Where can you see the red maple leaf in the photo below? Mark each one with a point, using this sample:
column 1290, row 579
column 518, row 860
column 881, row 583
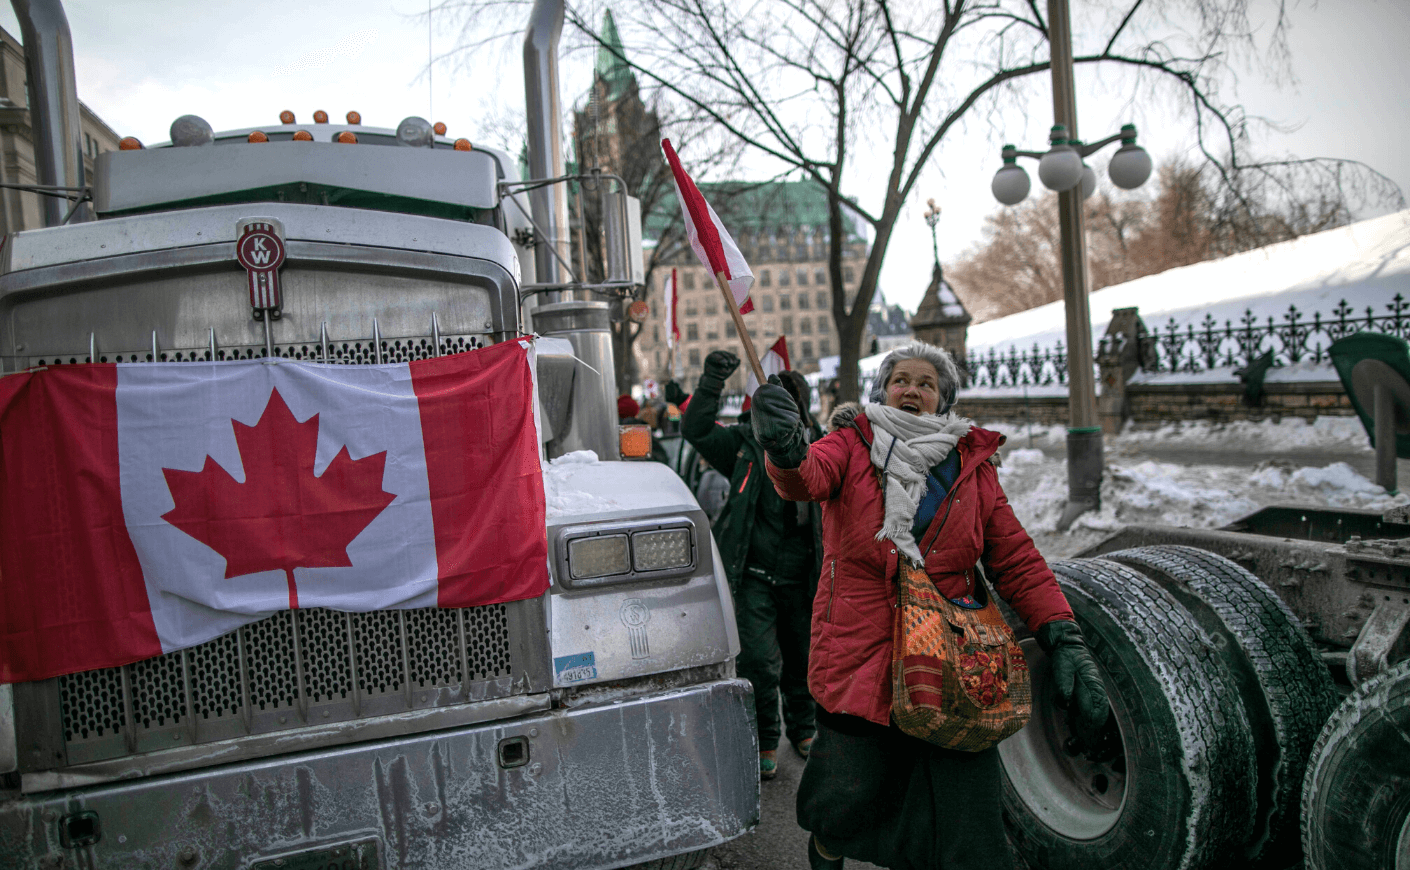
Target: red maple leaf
column 282, row 516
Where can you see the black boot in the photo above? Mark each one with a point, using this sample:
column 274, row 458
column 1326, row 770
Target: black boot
column 815, row 859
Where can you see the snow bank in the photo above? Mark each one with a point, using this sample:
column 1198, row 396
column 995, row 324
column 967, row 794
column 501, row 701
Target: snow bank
column 1289, row 434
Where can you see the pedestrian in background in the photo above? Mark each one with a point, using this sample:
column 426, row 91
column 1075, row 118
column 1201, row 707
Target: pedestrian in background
column 771, row 557
column 903, row 478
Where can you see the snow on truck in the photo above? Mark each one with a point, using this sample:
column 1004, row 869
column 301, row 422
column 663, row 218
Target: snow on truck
column 595, row 725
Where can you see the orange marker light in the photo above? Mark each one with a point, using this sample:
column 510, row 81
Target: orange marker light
column 130, row 143
column 303, row 136
column 439, row 127
column 320, row 117
column 257, row 136
column 286, row 117
column 635, row 441
column 638, row 311
column 347, row 137
column 354, row 118
column 463, row 145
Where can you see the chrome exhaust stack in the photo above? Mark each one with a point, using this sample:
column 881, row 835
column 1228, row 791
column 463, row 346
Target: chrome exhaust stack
column 549, row 204
column 53, row 103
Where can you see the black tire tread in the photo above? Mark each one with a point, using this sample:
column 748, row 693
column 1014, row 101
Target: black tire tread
column 686, row 861
column 1381, row 702
column 1215, row 744
column 1296, row 689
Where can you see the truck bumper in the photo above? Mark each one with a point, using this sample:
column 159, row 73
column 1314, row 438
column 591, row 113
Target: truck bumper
column 600, row 787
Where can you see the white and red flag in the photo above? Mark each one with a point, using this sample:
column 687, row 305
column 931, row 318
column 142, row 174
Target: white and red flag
column 774, row 360
column 148, row 508
column 673, row 330
column 708, row 237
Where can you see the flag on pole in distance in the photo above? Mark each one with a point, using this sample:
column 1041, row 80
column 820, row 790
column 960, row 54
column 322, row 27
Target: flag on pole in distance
column 708, row 237
column 673, row 330
column 146, row 508
column 774, row 360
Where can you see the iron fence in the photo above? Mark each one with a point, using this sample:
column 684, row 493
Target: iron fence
column 1292, row 337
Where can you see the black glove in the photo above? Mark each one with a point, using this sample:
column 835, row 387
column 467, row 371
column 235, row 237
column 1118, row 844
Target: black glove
column 1075, row 677
column 720, row 364
column 674, row 394
column 777, row 426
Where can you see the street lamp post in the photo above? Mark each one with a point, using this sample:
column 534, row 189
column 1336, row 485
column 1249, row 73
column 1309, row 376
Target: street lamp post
column 932, row 217
column 1062, row 169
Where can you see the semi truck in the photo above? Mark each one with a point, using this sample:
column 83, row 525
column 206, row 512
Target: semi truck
column 598, row 725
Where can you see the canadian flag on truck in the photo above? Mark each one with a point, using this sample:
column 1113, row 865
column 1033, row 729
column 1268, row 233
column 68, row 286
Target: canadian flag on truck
column 147, row 508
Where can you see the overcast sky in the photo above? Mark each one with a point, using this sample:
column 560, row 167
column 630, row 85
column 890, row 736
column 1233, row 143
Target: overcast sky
column 142, row 63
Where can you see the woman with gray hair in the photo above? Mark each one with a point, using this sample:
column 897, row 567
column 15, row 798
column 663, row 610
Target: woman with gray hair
column 904, row 479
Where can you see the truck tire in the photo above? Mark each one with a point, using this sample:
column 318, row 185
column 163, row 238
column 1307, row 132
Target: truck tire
column 1356, row 797
column 1170, row 781
column 1287, row 691
column 687, row 861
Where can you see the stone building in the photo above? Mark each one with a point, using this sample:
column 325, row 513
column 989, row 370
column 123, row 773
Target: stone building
column 941, row 318
column 21, row 210
column 781, row 228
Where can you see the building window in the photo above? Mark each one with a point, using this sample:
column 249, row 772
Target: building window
column 729, row 329
column 689, row 281
column 825, row 347
column 801, row 252
column 695, row 357
column 802, row 301
column 712, row 307
column 848, row 275
column 766, row 278
column 783, row 278
column 823, row 300
column 656, row 334
column 713, row 333
column 806, row 326
column 766, row 303
column 802, row 277
column 787, row 326
column 691, row 308
column 692, row 332
column 820, row 277
column 807, row 350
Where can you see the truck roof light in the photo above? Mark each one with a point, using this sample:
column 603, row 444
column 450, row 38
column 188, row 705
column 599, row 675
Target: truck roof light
column 354, row 118
column 286, row 117
column 257, row 136
column 415, row 131
column 347, row 137
column 130, row 143
column 303, row 136
column 635, row 441
column 320, row 117
column 463, row 145
column 191, row 130
column 440, row 128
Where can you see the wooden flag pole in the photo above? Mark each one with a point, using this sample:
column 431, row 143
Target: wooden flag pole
column 744, row 339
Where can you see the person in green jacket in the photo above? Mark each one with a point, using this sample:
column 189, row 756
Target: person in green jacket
column 772, row 556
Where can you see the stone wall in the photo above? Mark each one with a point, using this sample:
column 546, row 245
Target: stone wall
column 1153, row 404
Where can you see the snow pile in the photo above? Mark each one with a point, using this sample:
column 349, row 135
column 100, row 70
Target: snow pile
column 561, row 496
column 1291, row 433
column 1238, row 471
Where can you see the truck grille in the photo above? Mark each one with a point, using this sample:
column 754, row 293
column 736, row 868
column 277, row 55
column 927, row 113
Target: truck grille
column 288, row 670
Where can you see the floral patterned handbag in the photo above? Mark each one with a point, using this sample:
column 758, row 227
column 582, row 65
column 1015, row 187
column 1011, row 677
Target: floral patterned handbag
column 958, row 677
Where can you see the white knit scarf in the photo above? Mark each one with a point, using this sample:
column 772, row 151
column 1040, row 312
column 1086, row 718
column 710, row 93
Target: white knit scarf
column 905, row 447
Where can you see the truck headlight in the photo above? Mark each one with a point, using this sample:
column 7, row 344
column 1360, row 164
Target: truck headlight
column 608, row 554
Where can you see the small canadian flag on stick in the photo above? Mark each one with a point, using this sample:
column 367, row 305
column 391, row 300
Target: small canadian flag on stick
column 717, row 251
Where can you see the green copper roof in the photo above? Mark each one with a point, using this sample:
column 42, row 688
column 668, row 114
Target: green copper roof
column 752, row 206
column 611, row 64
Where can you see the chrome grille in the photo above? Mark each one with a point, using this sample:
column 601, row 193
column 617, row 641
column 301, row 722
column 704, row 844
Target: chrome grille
column 288, row 670
column 364, row 352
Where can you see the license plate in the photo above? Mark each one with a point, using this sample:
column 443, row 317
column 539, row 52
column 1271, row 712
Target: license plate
column 361, row 855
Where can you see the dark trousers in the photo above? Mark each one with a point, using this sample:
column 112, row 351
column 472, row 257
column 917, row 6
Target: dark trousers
column 775, row 620
column 875, row 794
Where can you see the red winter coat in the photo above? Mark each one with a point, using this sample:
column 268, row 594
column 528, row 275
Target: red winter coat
column 849, row 664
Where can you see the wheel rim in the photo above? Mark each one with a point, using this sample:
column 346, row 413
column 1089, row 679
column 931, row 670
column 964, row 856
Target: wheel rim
column 1077, row 796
